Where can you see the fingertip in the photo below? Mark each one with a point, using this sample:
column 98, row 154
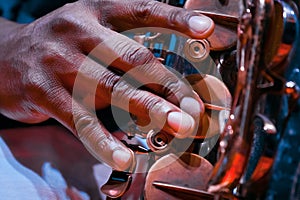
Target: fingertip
column 123, row 159
column 201, row 26
column 182, row 123
column 192, row 106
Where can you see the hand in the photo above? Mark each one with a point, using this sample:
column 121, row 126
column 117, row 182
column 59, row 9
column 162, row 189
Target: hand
column 40, row 62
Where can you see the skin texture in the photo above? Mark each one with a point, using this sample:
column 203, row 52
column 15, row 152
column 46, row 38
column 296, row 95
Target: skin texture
column 39, row 63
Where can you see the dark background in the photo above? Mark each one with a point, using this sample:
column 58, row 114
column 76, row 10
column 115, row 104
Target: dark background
column 285, row 176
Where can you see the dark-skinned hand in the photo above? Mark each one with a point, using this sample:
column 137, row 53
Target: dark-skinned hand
column 40, row 62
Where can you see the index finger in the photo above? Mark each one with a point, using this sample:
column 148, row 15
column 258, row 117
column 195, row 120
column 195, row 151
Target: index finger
column 124, row 15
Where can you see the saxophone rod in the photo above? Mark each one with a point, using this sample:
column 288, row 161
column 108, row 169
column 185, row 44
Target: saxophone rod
column 191, row 191
column 215, row 107
column 221, row 18
column 213, row 15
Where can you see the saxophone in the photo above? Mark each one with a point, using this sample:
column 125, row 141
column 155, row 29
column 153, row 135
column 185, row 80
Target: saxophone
column 251, row 51
column 257, row 110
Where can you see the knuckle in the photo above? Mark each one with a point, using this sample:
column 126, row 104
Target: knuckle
column 177, row 16
column 91, row 134
column 139, row 56
column 63, row 23
column 146, row 9
column 87, row 44
column 55, row 56
column 52, row 54
column 122, row 93
column 157, row 109
column 171, row 84
column 35, row 81
column 152, row 104
column 173, row 90
column 85, row 125
column 67, row 20
column 40, row 86
column 79, row 33
column 108, row 83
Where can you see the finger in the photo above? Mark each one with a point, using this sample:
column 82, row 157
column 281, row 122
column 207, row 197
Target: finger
column 124, row 54
column 124, row 15
column 85, row 125
column 139, row 64
column 114, row 90
column 161, row 114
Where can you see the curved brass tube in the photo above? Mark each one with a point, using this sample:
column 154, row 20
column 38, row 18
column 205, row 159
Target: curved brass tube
column 237, row 137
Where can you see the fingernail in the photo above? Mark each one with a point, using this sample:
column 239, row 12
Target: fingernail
column 122, row 158
column 182, row 123
column 191, row 106
column 200, row 23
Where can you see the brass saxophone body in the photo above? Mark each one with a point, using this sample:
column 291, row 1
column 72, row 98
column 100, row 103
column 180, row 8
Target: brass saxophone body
column 251, row 51
column 258, row 110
